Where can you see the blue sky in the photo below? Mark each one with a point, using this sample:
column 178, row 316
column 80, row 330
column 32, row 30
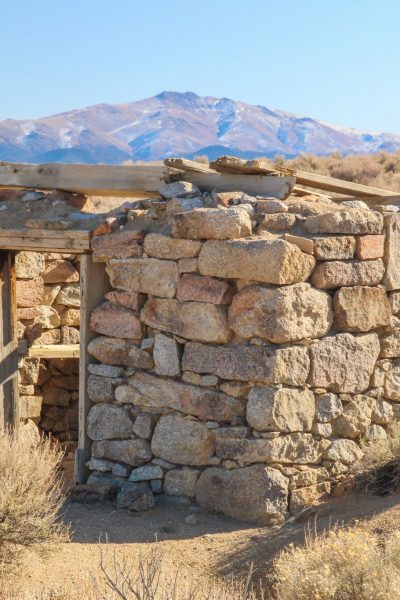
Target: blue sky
column 334, row 60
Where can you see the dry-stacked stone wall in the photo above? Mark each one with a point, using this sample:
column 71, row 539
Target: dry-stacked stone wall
column 247, row 350
column 48, row 311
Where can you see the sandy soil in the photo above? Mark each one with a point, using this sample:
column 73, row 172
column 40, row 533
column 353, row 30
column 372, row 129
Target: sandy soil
column 214, row 546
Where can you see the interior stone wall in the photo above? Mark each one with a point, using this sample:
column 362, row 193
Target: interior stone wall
column 248, row 349
column 48, row 311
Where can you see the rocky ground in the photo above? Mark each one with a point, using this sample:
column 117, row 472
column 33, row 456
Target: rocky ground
column 202, row 542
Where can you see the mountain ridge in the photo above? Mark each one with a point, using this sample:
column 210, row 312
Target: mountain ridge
column 179, row 124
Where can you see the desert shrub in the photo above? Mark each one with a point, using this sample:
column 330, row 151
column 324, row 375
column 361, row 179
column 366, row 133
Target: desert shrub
column 151, row 579
column 379, row 170
column 30, row 497
column 347, row 564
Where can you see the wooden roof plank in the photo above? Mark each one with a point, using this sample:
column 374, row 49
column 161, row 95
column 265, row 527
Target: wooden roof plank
column 101, row 180
column 256, row 177
column 338, row 186
column 314, row 180
column 184, row 164
column 299, row 191
column 231, row 164
column 394, row 198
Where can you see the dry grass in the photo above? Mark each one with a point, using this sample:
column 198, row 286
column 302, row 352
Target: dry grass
column 342, row 564
column 146, row 579
column 379, row 170
column 30, row 498
column 347, row 564
column 378, row 472
column 150, row 580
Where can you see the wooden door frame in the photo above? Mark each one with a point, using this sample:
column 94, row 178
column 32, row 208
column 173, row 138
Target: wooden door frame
column 9, row 397
column 94, row 284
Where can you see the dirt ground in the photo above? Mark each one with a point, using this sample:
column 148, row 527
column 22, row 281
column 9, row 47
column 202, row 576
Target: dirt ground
column 214, row 546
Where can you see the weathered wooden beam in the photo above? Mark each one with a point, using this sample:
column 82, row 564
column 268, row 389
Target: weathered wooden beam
column 55, row 351
column 94, row 285
column 330, row 184
column 231, row 164
column 184, row 164
column 45, row 240
column 100, row 180
column 254, row 185
column 321, row 182
column 371, row 200
column 78, row 234
column 299, row 191
column 9, row 405
column 208, row 179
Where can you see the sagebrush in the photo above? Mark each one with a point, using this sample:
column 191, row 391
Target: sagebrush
column 343, row 564
column 31, row 497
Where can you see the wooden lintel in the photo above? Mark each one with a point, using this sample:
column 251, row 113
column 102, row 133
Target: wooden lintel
column 38, row 240
column 78, row 234
column 55, row 351
column 95, row 180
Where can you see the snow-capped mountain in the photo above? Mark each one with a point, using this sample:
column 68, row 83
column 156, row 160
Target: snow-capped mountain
column 178, row 124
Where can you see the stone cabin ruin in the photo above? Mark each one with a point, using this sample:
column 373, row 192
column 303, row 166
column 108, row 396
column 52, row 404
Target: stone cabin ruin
column 231, row 338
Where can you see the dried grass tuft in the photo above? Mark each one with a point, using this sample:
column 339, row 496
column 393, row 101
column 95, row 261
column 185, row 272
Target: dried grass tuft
column 151, row 579
column 347, row 564
column 378, row 472
column 30, row 498
column 379, row 170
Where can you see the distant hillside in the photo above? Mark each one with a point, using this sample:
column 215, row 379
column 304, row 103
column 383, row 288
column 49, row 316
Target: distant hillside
column 179, row 124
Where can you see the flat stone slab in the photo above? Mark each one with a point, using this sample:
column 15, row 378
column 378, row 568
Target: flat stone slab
column 239, row 362
column 344, row 362
column 275, row 261
column 198, row 321
column 145, row 275
column 281, row 315
column 351, row 221
column 147, row 390
column 212, row 224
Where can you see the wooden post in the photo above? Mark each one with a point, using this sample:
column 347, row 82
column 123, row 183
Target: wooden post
column 9, row 406
column 94, row 285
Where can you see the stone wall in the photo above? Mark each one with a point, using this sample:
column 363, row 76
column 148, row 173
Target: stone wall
column 248, row 348
column 48, row 310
